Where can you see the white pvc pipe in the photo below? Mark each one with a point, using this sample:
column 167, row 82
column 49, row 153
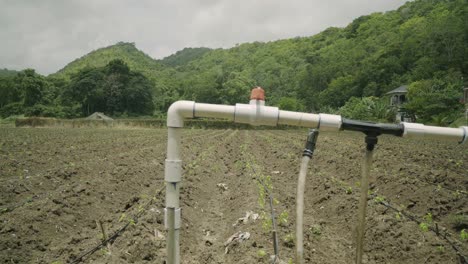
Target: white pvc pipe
column 413, row 130
column 298, row 119
column 173, row 176
column 215, row 111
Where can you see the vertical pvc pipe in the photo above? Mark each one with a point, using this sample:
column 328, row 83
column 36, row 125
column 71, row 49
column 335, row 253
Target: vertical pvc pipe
column 361, row 229
column 172, row 198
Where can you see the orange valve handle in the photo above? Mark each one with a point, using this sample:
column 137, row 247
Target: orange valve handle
column 257, row 94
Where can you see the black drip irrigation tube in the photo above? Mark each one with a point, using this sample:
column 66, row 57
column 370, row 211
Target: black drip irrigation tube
column 274, row 232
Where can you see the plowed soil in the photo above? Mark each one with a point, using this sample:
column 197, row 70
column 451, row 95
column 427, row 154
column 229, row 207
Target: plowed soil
column 57, row 185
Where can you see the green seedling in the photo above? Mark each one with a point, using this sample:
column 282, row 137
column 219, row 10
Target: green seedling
column 349, row 190
column 261, row 253
column 122, row 217
column 463, row 235
column 457, row 194
column 428, row 218
column 283, row 218
column 398, row 216
column 379, row 199
column 424, row 227
column 289, row 240
column 266, row 223
column 316, row 230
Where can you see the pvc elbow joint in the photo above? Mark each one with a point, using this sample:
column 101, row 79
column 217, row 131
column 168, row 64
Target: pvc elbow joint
column 178, row 111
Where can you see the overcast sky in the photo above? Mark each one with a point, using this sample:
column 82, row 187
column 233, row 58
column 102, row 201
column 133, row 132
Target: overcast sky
column 48, row 34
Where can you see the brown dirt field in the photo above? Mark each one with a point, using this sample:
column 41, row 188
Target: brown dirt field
column 57, row 183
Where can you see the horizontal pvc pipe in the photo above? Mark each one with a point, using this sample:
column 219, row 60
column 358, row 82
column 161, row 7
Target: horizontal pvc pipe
column 414, row 130
column 256, row 114
column 298, row 119
column 215, row 111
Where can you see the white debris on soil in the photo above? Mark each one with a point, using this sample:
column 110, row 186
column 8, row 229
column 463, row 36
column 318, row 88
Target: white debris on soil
column 158, row 235
column 222, row 186
column 248, row 215
column 237, row 238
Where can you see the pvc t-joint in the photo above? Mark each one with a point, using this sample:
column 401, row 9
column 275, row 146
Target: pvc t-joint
column 310, row 143
column 372, row 128
column 371, row 140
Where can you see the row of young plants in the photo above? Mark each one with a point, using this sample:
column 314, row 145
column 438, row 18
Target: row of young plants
column 267, row 203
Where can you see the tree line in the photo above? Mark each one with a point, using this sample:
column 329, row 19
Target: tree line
column 113, row 89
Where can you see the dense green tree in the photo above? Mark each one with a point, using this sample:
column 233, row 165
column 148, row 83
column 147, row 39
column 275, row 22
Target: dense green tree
column 9, row 92
column 290, row 104
column 86, row 89
column 113, row 89
column 32, row 86
column 436, row 100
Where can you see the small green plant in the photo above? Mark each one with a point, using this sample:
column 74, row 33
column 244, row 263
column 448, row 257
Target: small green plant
column 463, row 235
column 266, row 223
column 428, row 218
column 261, row 253
column 288, row 240
column 104, row 251
column 349, row 190
column 316, row 230
column 398, row 216
column 424, row 227
column 440, row 248
column 122, row 217
column 379, row 199
column 457, row 194
column 283, row 218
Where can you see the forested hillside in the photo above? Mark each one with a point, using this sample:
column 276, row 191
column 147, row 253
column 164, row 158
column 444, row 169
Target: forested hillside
column 423, row 44
column 127, row 52
column 184, row 56
column 6, row 73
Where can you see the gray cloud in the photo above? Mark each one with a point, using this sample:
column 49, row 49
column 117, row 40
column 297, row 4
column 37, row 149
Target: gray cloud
column 48, row 34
